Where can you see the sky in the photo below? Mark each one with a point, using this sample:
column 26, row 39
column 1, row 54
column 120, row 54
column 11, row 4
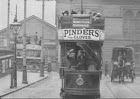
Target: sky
column 34, row 7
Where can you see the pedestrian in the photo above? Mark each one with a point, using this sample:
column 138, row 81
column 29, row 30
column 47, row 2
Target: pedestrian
column 71, row 59
column 106, row 68
column 49, row 66
column 120, row 60
column 36, row 38
column 81, row 59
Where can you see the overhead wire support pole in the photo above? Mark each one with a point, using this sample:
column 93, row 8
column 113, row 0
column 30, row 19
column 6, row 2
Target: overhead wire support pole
column 24, row 76
column 42, row 39
column 8, row 17
column 8, row 13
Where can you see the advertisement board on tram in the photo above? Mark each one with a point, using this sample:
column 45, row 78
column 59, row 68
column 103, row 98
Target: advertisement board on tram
column 81, row 27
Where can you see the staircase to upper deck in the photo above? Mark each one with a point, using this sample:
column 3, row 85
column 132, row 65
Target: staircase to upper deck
column 95, row 57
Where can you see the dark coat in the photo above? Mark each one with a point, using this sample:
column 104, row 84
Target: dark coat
column 120, row 60
column 81, row 63
column 72, row 62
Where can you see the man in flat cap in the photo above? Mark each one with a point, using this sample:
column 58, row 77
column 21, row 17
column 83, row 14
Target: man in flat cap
column 71, row 58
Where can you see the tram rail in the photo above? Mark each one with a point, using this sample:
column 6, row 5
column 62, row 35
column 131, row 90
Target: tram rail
column 123, row 84
column 106, row 83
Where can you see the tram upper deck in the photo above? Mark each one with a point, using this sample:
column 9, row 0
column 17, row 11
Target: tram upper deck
column 81, row 27
column 82, row 31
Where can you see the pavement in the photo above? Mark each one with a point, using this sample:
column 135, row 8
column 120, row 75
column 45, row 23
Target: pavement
column 32, row 78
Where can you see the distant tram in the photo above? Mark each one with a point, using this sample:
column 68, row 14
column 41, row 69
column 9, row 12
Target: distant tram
column 85, row 33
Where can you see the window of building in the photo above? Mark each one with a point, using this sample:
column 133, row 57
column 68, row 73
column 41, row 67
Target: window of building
column 131, row 25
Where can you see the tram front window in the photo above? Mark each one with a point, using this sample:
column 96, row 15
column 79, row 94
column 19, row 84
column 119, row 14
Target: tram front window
column 79, row 57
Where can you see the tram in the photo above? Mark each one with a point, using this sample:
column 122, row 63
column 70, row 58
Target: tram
column 126, row 69
column 80, row 32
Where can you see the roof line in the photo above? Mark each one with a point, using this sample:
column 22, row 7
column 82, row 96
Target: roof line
column 30, row 18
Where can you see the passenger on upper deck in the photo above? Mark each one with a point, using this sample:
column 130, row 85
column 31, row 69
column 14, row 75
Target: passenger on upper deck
column 71, row 58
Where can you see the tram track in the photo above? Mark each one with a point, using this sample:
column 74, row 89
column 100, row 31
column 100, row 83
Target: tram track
column 131, row 89
column 124, row 85
column 106, row 83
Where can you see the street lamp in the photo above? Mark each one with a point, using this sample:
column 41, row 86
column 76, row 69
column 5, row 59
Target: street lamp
column 15, row 28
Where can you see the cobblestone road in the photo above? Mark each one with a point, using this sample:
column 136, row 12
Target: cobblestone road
column 50, row 88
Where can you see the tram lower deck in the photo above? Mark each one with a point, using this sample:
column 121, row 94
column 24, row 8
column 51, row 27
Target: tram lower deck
column 82, row 77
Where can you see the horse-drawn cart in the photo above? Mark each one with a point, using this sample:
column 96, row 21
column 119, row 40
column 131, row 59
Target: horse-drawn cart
column 123, row 63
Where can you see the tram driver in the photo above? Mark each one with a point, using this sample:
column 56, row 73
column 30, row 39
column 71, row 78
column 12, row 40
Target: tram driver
column 71, row 59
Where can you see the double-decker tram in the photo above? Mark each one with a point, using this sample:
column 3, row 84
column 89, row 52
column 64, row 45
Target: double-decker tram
column 81, row 39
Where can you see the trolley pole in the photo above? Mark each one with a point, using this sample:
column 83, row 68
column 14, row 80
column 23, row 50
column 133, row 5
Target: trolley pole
column 82, row 11
column 71, row 6
column 24, row 76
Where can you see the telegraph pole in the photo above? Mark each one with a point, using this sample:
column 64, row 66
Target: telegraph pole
column 24, row 76
column 71, row 6
column 8, row 13
column 42, row 39
column 8, row 17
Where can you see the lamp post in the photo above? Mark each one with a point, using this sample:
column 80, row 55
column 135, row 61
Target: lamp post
column 15, row 27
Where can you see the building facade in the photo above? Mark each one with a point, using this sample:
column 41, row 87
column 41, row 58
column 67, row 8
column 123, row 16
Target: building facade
column 33, row 40
column 122, row 22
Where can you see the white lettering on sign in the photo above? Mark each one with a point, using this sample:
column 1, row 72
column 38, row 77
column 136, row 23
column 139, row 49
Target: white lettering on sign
column 80, row 25
column 79, row 34
column 87, row 22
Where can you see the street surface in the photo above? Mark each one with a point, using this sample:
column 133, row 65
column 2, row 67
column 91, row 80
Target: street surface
column 50, row 88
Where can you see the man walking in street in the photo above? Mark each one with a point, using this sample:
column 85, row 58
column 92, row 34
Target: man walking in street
column 106, row 68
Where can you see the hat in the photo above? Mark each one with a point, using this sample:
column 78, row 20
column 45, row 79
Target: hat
column 72, row 51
